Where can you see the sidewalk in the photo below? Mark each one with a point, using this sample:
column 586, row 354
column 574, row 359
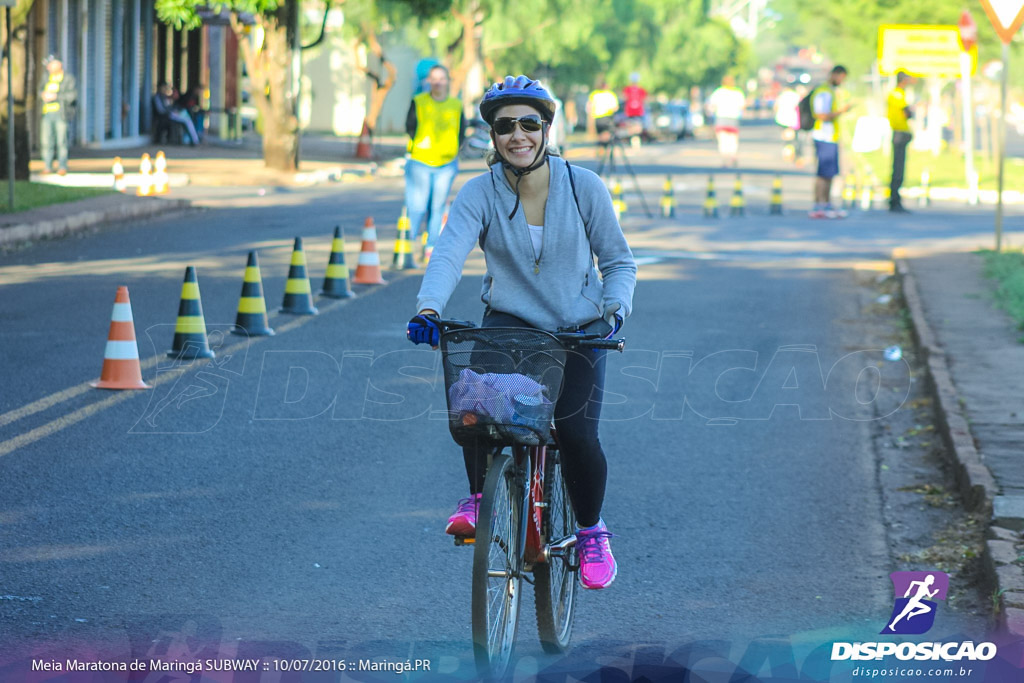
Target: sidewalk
column 323, row 158
column 976, row 366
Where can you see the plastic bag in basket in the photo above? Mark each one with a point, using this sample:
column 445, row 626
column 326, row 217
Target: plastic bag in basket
column 508, row 399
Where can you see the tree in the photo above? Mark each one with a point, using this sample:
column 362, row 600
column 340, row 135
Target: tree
column 270, row 61
column 22, row 91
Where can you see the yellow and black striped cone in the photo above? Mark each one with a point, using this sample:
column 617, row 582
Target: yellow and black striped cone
column 668, row 200
column 926, row 198
column 850, row 191
column 736, row 204
column 617, row 202
column 252, row 307
column 190, row 331
column 710, row 203
column 298, row 296
column 403, row 245
column 867, row 197
column 776, row 206
column 336, row 280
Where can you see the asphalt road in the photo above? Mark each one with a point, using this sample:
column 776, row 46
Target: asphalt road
column 289, row 497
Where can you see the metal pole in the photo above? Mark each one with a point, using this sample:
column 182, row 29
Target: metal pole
column 10, row 116
column 968, row 107
column 1002, row 148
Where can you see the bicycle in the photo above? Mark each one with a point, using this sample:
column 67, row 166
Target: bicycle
column 525, row 522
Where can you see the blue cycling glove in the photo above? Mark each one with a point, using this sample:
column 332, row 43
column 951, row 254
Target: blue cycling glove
column 612, row 317
column 424, row 329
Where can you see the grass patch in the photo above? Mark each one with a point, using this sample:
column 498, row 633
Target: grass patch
column 29, row 196
column 945, row 170
column 1007, row 269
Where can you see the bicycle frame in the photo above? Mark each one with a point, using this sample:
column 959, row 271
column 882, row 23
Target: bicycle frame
column 538, row 549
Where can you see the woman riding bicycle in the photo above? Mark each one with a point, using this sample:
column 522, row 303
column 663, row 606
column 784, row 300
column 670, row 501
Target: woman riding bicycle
column 539, row 222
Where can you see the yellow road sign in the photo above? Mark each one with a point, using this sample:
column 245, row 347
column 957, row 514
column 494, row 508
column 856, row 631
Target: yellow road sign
column 921, row 50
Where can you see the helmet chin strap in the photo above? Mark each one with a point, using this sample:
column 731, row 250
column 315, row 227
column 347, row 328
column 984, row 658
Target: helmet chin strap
column 538, row 161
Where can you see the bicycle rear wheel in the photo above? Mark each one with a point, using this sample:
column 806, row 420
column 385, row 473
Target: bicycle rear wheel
column 555, row 588
column 497, row 567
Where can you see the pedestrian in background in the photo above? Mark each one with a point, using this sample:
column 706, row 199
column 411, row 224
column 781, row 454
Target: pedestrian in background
column 827, row 110
column 727, row 103
column 899, row 120
column 436, row 128
column 59, row 97
column 602, row 105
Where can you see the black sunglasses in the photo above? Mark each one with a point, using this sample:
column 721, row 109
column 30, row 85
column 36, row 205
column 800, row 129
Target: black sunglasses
column 530, row 124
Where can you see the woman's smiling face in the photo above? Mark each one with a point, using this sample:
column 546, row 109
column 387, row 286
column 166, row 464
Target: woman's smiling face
column 519, row 148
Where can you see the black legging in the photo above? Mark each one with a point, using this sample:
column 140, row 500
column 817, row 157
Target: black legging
column 577, row 413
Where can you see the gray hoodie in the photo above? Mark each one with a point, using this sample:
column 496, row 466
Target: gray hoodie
column 566, row 290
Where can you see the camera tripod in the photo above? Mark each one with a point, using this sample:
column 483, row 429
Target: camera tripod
column 608, row 154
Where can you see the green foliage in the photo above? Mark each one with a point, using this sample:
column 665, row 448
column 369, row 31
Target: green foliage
column 185, row 13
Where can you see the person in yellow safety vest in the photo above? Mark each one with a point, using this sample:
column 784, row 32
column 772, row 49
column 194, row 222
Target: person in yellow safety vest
column 58, row 94
column 899, row 120
column 827, row 110
column 436, row 128
column 602, row 105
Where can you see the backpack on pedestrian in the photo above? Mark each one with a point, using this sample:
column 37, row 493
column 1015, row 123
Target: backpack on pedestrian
column 806, row 111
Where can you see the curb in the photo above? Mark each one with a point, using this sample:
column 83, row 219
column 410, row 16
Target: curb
column 134, row 208
column 977, row 485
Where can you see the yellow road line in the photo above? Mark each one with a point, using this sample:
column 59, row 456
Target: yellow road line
column 77, row 416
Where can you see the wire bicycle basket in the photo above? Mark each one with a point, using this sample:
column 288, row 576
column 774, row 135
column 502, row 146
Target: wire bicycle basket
column 502, row 383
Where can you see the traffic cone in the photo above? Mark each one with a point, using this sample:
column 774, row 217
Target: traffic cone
column 145, row 188
column 118, row 171
column 867, row 197
column 850, row 191
column 776, row 206
column 668, row 200
column 736, row 204
column 121, row 369
column 364, row 150
column 298, row 296
column 368, row 268
column 710, row 203
column 617, row 202
column 252, row 307
column 190, row 331
column 161, row 183
column 925, row 199
column 336, row 280
column 403, row 245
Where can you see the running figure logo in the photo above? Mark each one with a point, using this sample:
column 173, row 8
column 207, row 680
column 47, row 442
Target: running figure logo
column 914, row 609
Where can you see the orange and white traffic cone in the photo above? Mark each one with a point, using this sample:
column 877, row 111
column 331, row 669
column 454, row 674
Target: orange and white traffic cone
column 145, row 188
column 368, row 268
column 118, row 171
column 121, row 369
column 364, row 150
column 161, row 183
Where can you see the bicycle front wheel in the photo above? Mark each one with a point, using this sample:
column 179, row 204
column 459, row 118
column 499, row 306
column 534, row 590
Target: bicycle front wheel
column 555, row 586
column 497, row 567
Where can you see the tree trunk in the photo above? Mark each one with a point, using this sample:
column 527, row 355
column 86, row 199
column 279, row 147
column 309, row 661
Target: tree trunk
column 380, row 92
column 274, row 90
column 19, row 67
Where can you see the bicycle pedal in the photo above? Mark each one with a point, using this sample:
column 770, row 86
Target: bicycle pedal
column 465, row 540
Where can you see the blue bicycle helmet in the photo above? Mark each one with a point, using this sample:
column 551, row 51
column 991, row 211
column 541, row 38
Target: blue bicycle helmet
column 517, row 90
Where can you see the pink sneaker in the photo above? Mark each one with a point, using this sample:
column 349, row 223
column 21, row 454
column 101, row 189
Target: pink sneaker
column 463, row 522
column 597, row 565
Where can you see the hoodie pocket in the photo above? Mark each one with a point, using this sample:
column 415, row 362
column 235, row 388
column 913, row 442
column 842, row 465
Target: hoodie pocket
column 592, row 290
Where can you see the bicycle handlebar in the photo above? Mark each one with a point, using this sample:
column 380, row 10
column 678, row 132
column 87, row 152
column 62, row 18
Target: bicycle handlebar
column 569, row 339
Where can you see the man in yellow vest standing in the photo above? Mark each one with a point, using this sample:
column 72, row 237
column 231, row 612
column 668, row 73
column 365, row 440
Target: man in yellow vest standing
column 827, row 110
column 602, row 105
column 899, row 120
column 58, row 94
column 436, row 128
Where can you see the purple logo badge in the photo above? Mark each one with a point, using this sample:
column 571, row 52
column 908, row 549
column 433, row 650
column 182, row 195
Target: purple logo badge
column 916, row 592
